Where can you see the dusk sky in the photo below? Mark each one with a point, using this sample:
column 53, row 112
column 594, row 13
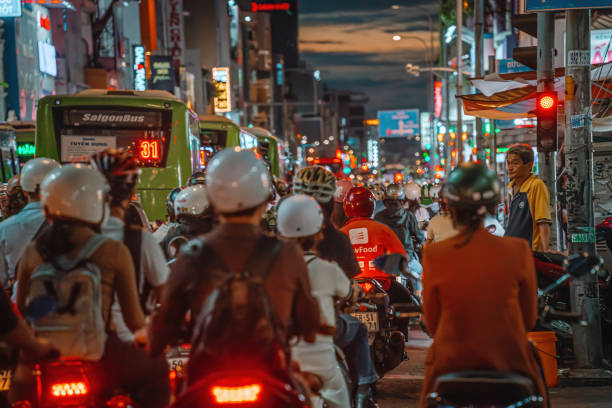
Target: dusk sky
column 350, row 41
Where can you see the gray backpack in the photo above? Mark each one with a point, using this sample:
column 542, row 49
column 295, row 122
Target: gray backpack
column 75, row 323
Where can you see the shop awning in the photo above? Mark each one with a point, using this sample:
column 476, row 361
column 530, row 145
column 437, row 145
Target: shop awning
column 513, row 96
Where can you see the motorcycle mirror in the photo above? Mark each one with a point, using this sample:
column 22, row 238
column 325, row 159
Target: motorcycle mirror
column 391, row 264
column 580, row 265
column 41, row 306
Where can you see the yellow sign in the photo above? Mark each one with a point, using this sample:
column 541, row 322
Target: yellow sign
column 371, row 122
column 223, row 97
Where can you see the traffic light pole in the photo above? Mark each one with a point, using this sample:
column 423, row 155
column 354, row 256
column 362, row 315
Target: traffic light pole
column 478, row 34
column 547, row 162
column 579, row 155
column 459, row 140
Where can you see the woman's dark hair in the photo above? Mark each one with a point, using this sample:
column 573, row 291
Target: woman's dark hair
column 307, row 243
column 54, row 239
column 470, row 217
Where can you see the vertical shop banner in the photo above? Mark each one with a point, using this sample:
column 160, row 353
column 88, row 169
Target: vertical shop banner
column 438, row 99
column 176, row 32
column 140, row 72
column 223, row 99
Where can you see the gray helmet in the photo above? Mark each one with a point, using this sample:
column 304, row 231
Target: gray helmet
column 395, row 192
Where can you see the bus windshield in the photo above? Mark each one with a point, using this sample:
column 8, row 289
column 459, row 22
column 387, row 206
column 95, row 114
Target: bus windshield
column 85, row 131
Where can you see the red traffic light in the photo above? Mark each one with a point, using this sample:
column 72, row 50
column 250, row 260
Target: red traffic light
column 547, row 100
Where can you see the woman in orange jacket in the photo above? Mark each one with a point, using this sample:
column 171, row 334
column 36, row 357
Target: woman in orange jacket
column 479, row 290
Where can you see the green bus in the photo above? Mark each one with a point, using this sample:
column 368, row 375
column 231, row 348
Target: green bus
column 218, row 132
column 156, row 126
column 272, row 149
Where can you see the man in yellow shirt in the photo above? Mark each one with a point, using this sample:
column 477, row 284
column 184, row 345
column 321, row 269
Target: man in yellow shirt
column 528, row 198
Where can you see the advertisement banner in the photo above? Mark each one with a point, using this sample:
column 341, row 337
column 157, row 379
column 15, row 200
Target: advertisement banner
column 78, row 149
column 398, row 123
column 223, row 97
column 176, row 32
column 510, row 66
column 601, row 46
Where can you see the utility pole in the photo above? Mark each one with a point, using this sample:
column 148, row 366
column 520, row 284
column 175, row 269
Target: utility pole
column 459, row 81
column 546, row 82
column 478, row 34
column 579, row 156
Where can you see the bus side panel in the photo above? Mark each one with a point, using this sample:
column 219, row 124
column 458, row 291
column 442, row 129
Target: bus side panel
column 233, row 136
column 44, row 138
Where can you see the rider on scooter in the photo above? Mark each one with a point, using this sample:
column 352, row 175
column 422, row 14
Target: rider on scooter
column 300, row 220
column 478, row 312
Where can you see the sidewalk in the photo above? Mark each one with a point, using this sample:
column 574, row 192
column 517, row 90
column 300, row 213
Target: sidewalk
column 401, row 388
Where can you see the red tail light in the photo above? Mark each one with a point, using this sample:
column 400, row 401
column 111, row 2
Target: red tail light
column 67, row 390
column 120, row 401
column 236, row 395
column 366, row 286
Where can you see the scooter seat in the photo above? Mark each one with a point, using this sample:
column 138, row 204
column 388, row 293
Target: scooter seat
column 484, row 388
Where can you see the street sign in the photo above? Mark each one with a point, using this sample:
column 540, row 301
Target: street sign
column 10, row 8
column 510, row 66
column 544, row 5
column 398, row 123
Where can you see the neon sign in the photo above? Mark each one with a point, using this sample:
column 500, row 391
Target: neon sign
column 284, row 6
column 148, row 150
column 223, row 97
column 438, row 98
column 140, row 74
column 26, row 149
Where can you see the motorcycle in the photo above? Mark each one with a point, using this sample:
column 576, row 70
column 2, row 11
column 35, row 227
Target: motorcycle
column 494, row 389
column 549, row 268
column 386, row 322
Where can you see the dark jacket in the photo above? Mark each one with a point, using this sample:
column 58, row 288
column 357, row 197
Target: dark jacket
column 188, row 228
column 404, row 224
column 336, row 247
column 192, row 280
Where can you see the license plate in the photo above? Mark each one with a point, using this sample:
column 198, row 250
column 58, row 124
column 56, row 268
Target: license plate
column 370, row 319
column 5, row 380
column 178, row 363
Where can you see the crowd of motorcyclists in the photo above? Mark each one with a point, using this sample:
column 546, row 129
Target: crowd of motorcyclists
column 190, row 278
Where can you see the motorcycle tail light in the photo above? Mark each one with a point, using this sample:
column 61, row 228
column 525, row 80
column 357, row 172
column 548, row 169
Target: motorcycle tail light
column 120, row 401
column 69, row 389
column 236, row 395
column 366, row 286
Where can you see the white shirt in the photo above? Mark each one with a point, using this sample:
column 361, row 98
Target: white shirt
column 153, row 267
column 441, row 227
column 327, row 280
column 16, row 233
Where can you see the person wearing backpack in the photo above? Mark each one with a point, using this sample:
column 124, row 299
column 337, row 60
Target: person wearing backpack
column 300, row 220
column 194, row 215
column 238, row 187
column 120, row 167
column 18, row 230
column 76, row 272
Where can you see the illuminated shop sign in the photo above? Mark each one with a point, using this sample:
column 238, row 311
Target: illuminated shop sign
column 438, row 98
column 223, row 98
column 46, row 58
column 259, row 6
column 140, row 73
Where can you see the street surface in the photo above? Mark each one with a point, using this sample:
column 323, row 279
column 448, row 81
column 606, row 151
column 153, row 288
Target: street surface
column 401, row 388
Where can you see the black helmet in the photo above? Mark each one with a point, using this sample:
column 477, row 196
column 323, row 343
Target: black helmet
column 199, row 177
column 120, row 167
column 170, row 202
column 472, row 185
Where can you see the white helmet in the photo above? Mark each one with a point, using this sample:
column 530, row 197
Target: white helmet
column 299, row 216
column 237, row 181
column 413, row 191
column 191, row 201
column 434, row 191
column 35, row 171
column 75, row 192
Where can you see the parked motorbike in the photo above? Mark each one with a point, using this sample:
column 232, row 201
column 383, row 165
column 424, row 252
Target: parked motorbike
column 386, row 322
column 493, row 389
column 549, row 268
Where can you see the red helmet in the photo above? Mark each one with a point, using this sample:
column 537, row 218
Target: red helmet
column 359, row 202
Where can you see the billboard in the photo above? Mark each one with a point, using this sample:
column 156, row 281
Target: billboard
column 542, row 5
column 398, row 123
